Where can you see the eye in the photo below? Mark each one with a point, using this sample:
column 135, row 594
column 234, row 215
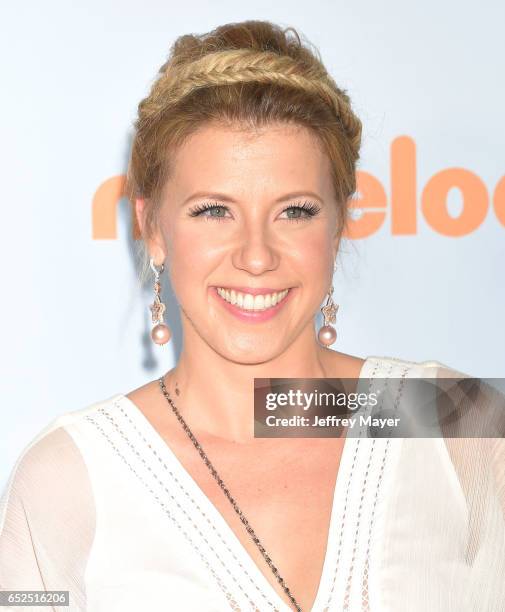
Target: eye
column 301, row 211
column 210, row 210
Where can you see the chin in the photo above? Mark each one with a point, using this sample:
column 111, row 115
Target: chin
column 249, row 350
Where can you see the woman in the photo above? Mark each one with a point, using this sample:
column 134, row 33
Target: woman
column 243, row 161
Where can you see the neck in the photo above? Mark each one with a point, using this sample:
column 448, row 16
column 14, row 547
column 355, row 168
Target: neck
column 216, row 395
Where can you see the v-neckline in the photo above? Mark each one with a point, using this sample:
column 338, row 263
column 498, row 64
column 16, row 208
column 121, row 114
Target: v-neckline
column 227, row 533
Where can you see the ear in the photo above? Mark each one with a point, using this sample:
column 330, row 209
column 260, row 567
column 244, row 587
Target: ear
column 139, row 213
column 337, row 235
column 153, row 243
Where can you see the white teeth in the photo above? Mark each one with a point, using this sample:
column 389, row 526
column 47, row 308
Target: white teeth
column 247, row 301
column 259, row 302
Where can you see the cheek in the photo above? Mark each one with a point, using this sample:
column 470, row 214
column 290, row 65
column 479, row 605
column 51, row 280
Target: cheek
column 313, row 255
column 313, row 264
column 191, row 257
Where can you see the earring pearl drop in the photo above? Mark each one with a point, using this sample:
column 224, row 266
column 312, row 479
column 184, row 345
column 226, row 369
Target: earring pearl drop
column 327, row 335
column 160, row 334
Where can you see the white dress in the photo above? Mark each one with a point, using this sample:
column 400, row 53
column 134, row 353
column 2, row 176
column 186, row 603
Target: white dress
column 99, row 505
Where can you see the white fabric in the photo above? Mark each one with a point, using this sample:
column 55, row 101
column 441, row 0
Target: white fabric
column 98, row 504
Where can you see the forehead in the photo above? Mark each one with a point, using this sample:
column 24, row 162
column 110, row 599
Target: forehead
column 269, row 160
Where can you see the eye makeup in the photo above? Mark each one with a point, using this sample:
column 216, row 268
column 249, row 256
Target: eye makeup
column 307, row 210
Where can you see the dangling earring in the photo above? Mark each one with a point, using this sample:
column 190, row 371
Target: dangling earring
column 160, row 333
column 327, row 334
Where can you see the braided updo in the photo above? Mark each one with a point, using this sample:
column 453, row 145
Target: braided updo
column 251, row 74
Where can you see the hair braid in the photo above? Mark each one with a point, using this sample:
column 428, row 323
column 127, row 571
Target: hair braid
column 233, row 66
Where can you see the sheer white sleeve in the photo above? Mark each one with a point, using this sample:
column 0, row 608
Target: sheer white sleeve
column 440, row 536
column 472, row 418
column 47, row 520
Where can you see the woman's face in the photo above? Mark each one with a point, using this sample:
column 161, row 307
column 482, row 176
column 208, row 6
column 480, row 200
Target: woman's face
column 248, row 231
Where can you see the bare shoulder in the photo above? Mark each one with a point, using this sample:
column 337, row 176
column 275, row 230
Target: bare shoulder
column 343, row 365
column 149, row 400
column 144, row 392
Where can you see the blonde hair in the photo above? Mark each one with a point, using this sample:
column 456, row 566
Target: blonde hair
column 250, row 74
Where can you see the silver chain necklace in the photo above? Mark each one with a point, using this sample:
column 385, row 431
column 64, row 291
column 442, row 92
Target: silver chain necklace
column 214, row 473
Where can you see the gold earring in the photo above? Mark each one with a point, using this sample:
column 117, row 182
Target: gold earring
column 160, row 333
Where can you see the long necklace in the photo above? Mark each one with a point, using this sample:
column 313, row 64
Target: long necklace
column 225, row 490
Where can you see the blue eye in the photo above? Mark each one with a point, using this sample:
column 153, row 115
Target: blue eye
column 296, row 212
column 214, row 210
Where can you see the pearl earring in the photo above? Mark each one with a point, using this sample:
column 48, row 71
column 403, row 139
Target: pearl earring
column 160, row 333
column 327, row 334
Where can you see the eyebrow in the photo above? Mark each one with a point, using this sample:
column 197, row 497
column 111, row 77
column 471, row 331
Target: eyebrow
column 226, row 198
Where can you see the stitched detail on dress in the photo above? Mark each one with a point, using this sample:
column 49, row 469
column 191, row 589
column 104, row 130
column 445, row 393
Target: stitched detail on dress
column 365, row 602
column 347, row 592
column 181, row 486
column 233, row 604
column 357, row 531
column 197, row 506
column 346, row 499
column 364, row 590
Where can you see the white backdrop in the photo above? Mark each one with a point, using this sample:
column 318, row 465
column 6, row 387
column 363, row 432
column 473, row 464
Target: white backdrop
column 74, row 321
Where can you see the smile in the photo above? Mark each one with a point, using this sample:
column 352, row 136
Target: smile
column 248, row 301
column 252, row 304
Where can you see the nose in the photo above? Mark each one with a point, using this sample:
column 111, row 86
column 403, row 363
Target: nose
column 256, row 253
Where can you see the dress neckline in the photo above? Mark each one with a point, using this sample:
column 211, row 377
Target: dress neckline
column 338, row 508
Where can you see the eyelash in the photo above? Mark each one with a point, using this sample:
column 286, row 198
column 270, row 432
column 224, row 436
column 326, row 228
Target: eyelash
column 309, row 208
